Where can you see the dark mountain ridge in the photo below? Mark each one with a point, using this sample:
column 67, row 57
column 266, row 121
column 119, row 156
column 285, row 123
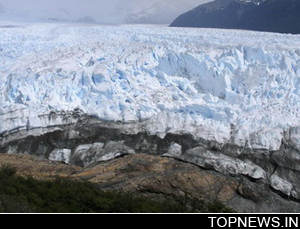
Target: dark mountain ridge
column 260, row 15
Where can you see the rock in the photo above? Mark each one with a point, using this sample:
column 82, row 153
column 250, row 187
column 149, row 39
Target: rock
column 62, row 155
column 282, row 185
column 85, row 155
column 155, row 176
column 161, row 178
column 287, row 158
column 294, row 136
column 113, row 150
column 222, row 163
column 90, row 141
column 174, row 150
column 253, row 191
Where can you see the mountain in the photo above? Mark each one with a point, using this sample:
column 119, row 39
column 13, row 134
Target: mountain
column 261, row 15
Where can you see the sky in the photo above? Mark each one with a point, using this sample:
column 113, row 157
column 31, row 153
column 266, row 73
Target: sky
column 106, row 11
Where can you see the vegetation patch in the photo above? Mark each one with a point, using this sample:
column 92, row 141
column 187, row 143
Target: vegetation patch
column 27, row 195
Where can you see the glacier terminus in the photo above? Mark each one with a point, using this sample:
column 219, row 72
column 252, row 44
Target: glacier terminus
column 222, row 99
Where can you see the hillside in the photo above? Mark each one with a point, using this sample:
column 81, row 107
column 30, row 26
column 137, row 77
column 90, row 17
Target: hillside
column 28, row 184
column 135, row 183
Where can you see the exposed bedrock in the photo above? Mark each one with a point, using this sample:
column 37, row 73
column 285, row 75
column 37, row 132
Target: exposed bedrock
column 268, row 180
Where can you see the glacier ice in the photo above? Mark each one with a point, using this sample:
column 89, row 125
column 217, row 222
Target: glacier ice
column 229, row 86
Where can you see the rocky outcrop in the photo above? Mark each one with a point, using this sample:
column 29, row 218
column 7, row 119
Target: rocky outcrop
column 86, row 155
column 156, row 177
column 264, row 180
column 162, row 178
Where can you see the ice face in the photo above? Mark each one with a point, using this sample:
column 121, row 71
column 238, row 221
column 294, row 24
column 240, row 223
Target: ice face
column 229, row 86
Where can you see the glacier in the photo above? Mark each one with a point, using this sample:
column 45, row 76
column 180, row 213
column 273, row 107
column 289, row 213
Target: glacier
column 229, row 86
column 224, row 100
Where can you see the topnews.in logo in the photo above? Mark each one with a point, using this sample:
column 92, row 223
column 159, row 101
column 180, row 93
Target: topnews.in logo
column 254, row 222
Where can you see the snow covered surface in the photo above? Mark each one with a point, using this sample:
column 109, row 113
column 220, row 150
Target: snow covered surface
column 229, row 86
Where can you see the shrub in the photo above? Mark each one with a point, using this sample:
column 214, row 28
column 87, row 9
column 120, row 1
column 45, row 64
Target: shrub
column 20, row 194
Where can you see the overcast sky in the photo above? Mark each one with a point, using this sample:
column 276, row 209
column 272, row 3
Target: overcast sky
column 111, row 11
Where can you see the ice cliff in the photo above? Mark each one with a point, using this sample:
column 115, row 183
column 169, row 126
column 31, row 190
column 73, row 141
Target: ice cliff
column 227, row 86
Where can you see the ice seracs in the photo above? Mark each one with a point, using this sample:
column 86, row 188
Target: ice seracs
column 234, row 87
